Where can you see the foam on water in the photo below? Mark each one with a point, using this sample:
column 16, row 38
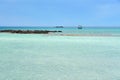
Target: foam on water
column 43, row 57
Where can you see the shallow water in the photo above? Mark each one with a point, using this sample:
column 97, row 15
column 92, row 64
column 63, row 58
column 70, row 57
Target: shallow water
column 45, row 57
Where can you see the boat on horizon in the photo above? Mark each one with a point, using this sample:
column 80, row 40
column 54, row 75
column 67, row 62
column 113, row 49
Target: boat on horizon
column 79, row 27
column 59, row 26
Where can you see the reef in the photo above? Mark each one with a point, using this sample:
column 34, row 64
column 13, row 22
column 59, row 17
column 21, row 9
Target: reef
column 28, row 31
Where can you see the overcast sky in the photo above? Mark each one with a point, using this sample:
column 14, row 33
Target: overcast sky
column 60, row 12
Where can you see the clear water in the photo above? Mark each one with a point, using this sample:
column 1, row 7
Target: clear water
column 46, row 57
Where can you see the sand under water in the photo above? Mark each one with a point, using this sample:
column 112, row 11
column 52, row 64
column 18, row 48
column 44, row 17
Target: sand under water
column 46, row 57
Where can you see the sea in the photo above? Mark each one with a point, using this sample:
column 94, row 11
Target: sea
column 70, row 30
column 93, row 53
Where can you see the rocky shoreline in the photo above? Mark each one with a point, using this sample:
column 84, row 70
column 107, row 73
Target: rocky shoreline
column 28, row 31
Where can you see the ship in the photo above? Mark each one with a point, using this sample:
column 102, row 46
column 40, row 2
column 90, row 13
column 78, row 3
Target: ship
column 79, row 27
column 59, row 26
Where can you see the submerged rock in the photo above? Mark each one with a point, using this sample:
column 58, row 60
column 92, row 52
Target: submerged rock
column 28, row 31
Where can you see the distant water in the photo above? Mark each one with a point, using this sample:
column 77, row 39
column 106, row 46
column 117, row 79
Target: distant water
column 45, row 57
column 73, row 30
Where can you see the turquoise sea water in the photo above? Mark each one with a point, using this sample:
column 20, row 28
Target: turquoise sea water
column 73, row 30
column 46, row 57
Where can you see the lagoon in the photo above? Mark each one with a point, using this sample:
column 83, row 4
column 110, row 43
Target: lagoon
column 46, row 57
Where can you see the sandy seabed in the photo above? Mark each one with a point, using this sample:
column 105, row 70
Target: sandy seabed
column 43, row 57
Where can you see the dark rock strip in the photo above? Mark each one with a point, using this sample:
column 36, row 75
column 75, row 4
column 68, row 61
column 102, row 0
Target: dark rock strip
column 28, row 31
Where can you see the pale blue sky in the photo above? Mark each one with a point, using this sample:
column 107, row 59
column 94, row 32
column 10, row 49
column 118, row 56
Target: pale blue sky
column 60, row 12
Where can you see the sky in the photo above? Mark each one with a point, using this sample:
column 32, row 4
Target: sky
column 59, row 12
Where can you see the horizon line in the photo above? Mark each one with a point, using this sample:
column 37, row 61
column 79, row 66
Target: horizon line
column 50, row 26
